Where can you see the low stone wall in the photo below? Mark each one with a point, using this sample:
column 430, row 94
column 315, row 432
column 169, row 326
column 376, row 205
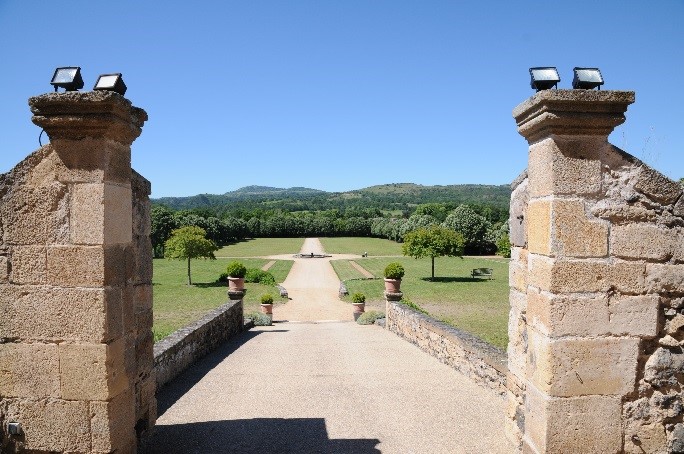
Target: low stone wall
column 186, row 346
column 464, row 352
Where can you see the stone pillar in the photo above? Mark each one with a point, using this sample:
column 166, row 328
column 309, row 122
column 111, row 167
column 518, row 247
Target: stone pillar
column 582, row 310
column 75, row 334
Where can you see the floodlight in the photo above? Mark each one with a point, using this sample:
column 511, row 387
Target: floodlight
column 544, row 77
column 111, row 82
column 68, row 77
column 587, row 78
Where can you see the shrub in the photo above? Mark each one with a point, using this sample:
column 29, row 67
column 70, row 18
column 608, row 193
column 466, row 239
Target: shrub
column 260, row 319
column 394, row 271
column 236, row 269
column 223, row 277
column 259, row 276
column 413, row 305
column 267, row 299
column 503, row 246
column 368, row 318
column 358, row 298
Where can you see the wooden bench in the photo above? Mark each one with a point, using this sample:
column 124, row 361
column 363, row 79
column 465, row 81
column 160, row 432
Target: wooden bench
column 482, row 272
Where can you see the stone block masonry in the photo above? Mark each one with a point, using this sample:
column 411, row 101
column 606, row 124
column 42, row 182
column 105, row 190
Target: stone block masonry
column 75, row 283
column 596, row 327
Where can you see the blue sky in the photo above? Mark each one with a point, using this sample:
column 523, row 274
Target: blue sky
column 342, row 94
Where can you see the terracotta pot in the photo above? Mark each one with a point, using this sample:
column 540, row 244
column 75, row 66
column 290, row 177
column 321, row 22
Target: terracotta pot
column 392, row 285
column 359, row 307
column 267, row 309
column 236, row 283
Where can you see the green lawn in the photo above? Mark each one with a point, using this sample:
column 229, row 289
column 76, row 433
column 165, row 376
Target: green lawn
column 473, row 305
column 177, row 304
column 350, row 245
column 260, row 247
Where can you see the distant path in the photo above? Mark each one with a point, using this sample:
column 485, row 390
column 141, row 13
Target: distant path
column 268, row 265
column 361, row 270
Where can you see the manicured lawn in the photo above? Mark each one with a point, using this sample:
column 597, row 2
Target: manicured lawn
column 345, row 270
column 478, row 306
column 260, row 247
column 349, row 245
column 177, row 304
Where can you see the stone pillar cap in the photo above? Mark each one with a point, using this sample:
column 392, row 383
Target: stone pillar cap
column 98, row 114
column 572, row 113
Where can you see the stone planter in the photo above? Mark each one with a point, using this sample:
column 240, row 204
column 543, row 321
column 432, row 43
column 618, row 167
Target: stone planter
column 392, row 285
column 267, row 309
column 236, row 283
column 359, row 308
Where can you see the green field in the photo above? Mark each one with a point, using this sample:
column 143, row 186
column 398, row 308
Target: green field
column 478, row 306
column 374, row 246
column 177, row 304
column 261, row 247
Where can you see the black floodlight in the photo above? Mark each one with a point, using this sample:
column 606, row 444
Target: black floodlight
column 68, row 78
column 544, row 77
column 111, row 82
column 587, row 78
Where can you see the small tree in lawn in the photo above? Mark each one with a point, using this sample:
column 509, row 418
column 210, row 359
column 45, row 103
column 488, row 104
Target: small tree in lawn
column 433, row 241
column 189, row 243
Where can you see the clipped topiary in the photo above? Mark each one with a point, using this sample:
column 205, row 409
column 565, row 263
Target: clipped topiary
column 259, row 276
column 394, row 270
column 236, row 269
column 267, row 299
column 358, row 298
column 369, row 318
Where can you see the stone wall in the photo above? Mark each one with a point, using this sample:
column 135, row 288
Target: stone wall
column 75, row 283
column 597, row 286
column 464, row 352
column 181, row 349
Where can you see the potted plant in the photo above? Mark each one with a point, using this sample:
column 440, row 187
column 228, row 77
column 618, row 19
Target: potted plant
column 267, row 304
column 393, row 274
column 236, row 276
column 359, row 303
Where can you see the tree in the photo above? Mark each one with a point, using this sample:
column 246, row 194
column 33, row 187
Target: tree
column 433, row 241
column 189, row 243
column 163, row 223
column 475, row 228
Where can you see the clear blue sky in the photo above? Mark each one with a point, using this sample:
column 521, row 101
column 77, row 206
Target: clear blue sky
column 342, row 94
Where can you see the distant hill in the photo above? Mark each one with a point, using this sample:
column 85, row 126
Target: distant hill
column 387, row 197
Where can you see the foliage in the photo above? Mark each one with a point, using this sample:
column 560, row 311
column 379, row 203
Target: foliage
column 189, row 243
column 415, row 222
column 369, row 318
column 439, row 211
column 260, row 276
column 394, row 270
column 434, row 241
column 236, row 269
column 412, row 305
column 358, row 298
column 503, row 246
column 260, row 319
column 162, row 225
column 475, row 229
column 223, row 277
column 266, row 299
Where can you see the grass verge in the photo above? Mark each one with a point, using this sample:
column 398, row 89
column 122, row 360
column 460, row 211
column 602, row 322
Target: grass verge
column 351, row 245
column 260, row 247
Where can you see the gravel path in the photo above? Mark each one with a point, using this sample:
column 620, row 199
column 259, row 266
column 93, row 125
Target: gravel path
column 324, row 386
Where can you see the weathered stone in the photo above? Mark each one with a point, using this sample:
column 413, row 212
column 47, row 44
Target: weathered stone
column 643, row 241
column 101, row 214
column 665, row 278
column 645, row 438
column 668, row 341
column 518, row 215
column 657, row 186
column 539, row 227
column 4, row 269
column 29, row 265
column 558, row 316
column 76, row 266
column 29, row 370
column 634, row 316
column 92, row 371
column 565, row 276
column 517, row 269
column 52, row 314
column 663, row 366
column 33, row 216
column 576, row 367
column 112, row 424
column 573, row 234
column 674, row 325
column 564, row 167
column 587, row 424
column 92, row 160
column 677, row 439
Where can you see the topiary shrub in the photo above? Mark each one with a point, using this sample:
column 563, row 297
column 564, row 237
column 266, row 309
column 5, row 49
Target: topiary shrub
column 259, row 319
column 369, row 318
column 259, row 276
column 236, row 269
column 223, row 277
column 267, row 299
column 394, row 270
column 358, row 298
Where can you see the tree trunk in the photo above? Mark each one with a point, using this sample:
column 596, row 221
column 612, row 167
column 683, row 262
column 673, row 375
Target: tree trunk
column 433, row 267
column 189, row 278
